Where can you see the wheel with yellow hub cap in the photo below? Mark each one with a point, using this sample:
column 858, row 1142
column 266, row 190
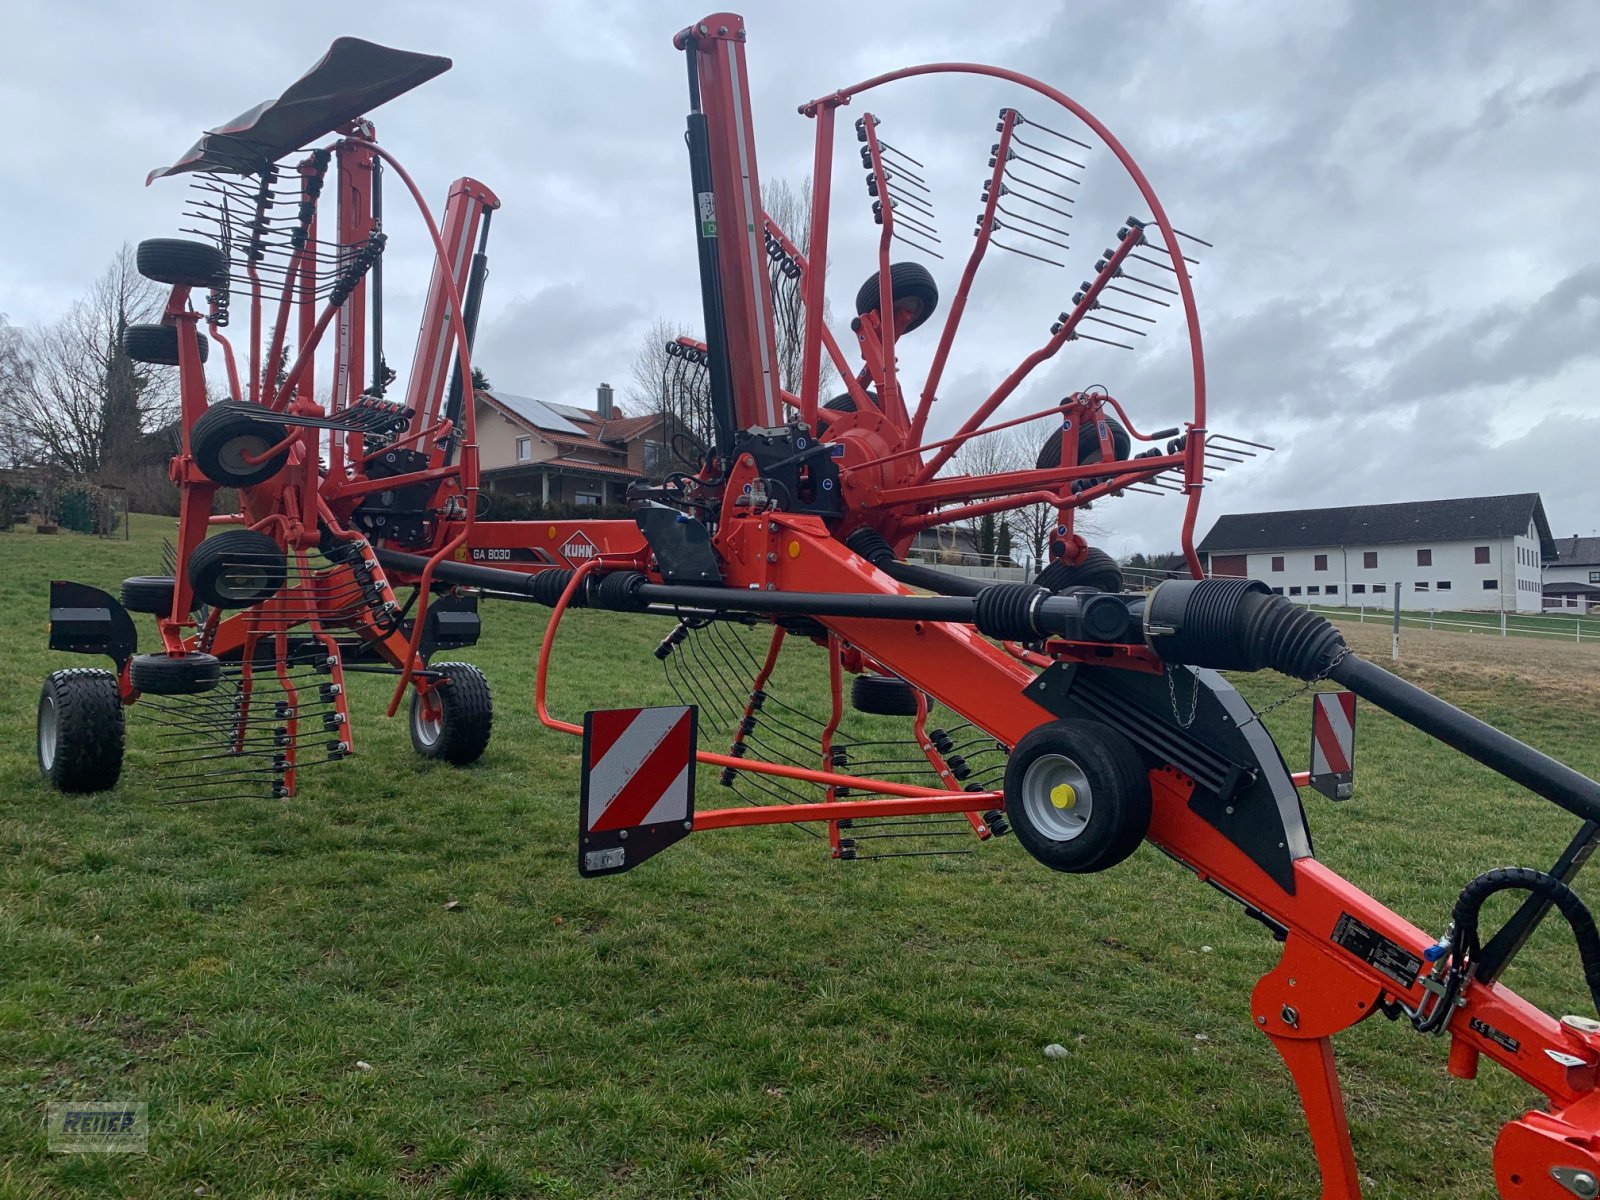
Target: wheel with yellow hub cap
column 1077, row 795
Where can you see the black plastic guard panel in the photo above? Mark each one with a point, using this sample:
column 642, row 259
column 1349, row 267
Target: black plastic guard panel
column 85, row 620
column 353, row 78
column 1242, row 787
column 681, row 544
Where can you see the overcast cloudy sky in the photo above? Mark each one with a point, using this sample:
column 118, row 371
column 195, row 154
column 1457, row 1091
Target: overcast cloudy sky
column 1404, row 297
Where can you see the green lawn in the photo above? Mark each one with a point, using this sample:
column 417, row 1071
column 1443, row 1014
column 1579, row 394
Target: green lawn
column 737, row 1018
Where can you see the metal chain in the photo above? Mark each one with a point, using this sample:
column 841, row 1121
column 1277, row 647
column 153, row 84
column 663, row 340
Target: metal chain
column 1310, row 686
column 1194, row 698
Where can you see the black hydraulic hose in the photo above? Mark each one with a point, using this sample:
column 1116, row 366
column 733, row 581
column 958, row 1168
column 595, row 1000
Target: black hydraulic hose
column 1240, row 625
column 1015, row 611
column 946, row 584
column 875, row 548
column 470, row 306
column 1546, row 887
column 1498, row 751
column 723, row 411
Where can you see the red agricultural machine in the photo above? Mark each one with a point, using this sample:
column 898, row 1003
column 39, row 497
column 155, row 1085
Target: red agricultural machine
column 1084, row 717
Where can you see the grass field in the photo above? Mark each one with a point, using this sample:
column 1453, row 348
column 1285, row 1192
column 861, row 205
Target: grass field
column 737, row 1018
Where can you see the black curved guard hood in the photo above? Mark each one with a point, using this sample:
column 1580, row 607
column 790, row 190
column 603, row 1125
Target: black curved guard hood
column 352, row 78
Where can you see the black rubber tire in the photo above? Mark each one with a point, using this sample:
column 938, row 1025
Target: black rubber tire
column 1116, row 778
column 186, row 675
column 466, row 721
column 83, row 713
column 1098, row 570
column 225, row 431
column 1088, row 445
column 907, row 281
column 149, row 594
column 842, row 403
column 178, row 261
column 237, row 569
column 883, row 695
column 157, row 344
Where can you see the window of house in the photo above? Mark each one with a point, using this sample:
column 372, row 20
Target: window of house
column 1424, row 558
column 1333, row 589
column 587, row 498
column 1421, row 585
column 1480, row 554
column 1358, row 589
column 1369, row 559
column 524, row 449
column 1319, row 562
column 1489, row 585
column 1443, row 585
column 1277, row 591
column 1314, row 590
column 1594, row 576
column 1277, row 562
column 1294, row 591
column 1380, row 587
column 655, row 460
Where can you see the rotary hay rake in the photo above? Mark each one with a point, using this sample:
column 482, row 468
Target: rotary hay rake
column 1100, row 713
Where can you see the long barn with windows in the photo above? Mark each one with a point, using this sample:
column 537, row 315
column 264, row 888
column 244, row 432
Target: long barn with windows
column 1484, row 552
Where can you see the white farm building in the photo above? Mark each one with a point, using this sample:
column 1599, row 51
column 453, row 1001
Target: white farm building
column 1478, row 553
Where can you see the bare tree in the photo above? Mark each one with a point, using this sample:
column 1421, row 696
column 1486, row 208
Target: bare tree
column 17, row 447
column 1031, row 526
column 676, row 386
column 80, row 401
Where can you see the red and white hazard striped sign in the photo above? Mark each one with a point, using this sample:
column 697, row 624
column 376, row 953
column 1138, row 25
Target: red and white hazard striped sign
column 638, row 785
column 1333, row 744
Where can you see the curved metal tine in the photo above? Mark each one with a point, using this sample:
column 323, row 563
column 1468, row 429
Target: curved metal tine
column 1051, row 153
column 916, row 202
column 1114, row 325
column 919, row 246
column 1028, row 183
column 1154, row 262
column 893, row 149
column 929, row 230
column 1111, row 287
column 1089, row 337
column 1026, row 254
column 1228, row 437
column 1001, row 208
column 1048, row 170
column 1022, row 120
column 1124, row 313
column 899, row 174
column 1030, row 233
column 1147, row 283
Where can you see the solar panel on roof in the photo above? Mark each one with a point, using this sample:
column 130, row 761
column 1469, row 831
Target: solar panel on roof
column 538, row 414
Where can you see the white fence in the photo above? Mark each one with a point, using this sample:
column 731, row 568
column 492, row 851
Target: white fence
column 1560, row 628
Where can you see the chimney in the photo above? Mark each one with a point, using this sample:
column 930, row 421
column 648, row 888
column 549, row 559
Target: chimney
column 602, row 402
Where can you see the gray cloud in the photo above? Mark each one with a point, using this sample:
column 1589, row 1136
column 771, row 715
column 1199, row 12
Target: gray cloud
column 1403, row 295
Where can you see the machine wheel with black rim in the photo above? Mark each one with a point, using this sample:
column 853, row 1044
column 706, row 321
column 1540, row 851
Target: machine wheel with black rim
column 227, row 433
column 157, row 344
column 178, row 261
column 909, row 284
column 883, row 695
column 174, row 675
column 148, row 594
column 80, row 730
column 1088, row 445
column 1077, row 795
column 452, row 721
column 1098, row 570
column 237, row 569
